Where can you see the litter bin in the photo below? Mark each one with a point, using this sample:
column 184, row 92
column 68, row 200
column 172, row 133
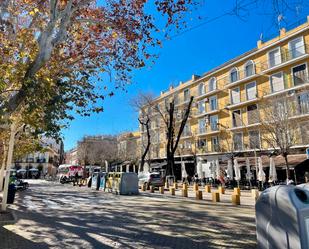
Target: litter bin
column 282, row 218
column 11, row 193
column 95, row 180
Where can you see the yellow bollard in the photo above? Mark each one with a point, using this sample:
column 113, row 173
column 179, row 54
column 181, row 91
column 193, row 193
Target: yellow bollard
column 166, row 185
column 172, row 191
column 235, row 199
column 184, row 192
column 237, row 191
column 161, row 190
column 221, row 190
column 185, row 186
column 175, row 185
column 207, row 189
column 143, row 187
column 255, row 194
column 215, row 197
column 199, row 195
column 151, row 189
column 195, row 187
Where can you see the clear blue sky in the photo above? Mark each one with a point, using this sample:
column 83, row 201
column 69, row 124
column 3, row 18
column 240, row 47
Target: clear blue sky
column 193, row 52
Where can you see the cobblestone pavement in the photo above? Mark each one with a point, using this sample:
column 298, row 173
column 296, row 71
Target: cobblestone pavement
column 51, row 215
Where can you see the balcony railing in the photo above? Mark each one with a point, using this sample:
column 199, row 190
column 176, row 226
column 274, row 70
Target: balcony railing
column 285, row 55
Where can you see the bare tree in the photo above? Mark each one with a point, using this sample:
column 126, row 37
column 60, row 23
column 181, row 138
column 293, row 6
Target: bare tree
column 278, row 127
column 169, row 114
column 142, row 104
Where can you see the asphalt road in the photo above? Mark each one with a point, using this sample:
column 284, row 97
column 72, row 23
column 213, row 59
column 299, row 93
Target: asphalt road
column 51, row 215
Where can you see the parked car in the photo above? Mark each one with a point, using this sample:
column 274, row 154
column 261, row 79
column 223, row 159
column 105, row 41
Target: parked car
column 150, row 179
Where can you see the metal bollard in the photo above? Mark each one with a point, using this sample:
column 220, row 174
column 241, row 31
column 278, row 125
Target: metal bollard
column 185, row 186
column 143, row 187
column 199, row 195
column 215, row 197
column 161, row 190
column 166, row 185
column 235, row 199
column 184, row 192
column 172, row 190
column 207, row 189
column 237, row 191
column 221, row 190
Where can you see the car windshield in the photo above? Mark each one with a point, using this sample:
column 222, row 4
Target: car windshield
column 155, row 176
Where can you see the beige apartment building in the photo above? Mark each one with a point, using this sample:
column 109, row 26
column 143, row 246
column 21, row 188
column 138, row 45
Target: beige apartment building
column 228, row 99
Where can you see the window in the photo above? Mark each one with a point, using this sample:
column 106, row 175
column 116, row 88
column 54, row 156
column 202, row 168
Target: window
column 201, row 107
column 201, row 89
column 297, row 47
column 304, row 132
column 213, row 103
column 186, row 95
column 234, row 75
column 276, row 82
column 187, row 130
column 176, row 99
column 237, row 141
column 249, row 69
column 212, row 84
column 254, row 140
column 303, row 103
column 236, row 116
column 215, row 144
column 202, row 143
column 253, row 114
column 280, row 109
column 251, row 91
column 274, row 57
column 201, row 126
column 187, row 144
column 299, row 74
column 213, row 122
column 235, row 95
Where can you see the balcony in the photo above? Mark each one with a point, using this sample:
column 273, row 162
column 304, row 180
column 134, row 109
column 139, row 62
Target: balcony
column 284, row 58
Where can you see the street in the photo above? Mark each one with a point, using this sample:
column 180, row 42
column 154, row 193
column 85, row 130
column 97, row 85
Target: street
column 51, row 215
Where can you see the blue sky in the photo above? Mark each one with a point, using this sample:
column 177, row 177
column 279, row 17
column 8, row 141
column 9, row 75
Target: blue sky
column 193, row 52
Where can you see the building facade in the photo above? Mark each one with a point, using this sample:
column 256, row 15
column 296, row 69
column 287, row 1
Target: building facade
column 226, row 115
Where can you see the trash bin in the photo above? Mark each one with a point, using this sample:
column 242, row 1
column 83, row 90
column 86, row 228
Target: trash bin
column 282, row 218
column 125, row 183
column 11, row 193
column 95, row 180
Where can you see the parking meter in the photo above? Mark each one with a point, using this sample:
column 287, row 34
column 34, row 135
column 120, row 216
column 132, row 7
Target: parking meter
column 282, row 218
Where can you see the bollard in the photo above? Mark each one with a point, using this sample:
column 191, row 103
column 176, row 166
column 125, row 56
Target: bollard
column 237, row 191
column 184, row 192
column 151, row 189
column 143, row 187
column 166, row 185
column 235, row 199
column 207, row 189
column 172, row 191
column 199, row 195
column 195, row 187
column 185, row 186
column 161, row 190
column 255, row 194
column 215, row 197
column 221, row 190
column 175, row 185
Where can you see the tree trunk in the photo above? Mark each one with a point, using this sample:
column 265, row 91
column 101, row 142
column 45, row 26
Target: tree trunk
column 287, row 166
column 147, row 146
column 3, row 166
column 8, row 166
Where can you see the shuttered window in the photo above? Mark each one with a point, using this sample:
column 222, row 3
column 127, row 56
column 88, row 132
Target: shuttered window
column 276, row 82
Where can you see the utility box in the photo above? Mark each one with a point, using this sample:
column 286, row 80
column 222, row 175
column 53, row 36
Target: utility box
column 282, row 218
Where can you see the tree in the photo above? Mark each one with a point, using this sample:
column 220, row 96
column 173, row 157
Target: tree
column 142, row 104
column 278, row 127
column 169, row 114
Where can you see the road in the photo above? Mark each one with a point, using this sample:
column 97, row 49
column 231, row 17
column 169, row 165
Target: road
column 51, row 215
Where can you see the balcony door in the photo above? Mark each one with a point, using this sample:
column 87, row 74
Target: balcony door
column 299, row 74
column 274, row 57
column 297, row 47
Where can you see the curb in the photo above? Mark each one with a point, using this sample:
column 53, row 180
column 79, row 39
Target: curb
column 9, row 222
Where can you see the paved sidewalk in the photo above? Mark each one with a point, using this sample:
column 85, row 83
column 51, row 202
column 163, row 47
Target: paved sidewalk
column 61, row 216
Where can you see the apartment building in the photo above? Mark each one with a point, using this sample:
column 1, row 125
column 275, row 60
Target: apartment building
column 228, row 99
